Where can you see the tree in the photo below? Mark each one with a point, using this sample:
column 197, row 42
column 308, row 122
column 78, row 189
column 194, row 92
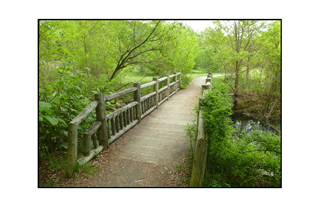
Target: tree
column 239, row 38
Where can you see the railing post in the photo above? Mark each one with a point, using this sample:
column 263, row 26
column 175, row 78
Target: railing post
column 180, row 81
column 168, row 82
column 137, row 98
column 209, row 80
column 72, row 149
column 156, row 89
column 101, row 116
column 175, row 82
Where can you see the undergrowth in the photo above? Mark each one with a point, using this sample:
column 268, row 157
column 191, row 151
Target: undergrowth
column 236, row 158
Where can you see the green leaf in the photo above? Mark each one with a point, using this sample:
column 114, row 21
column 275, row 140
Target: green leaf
column 62, row 122
column 88, row 69
column 44, row 105
column 52, row 120
column 40, row 118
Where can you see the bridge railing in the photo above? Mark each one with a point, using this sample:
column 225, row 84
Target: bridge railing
column 112, row 126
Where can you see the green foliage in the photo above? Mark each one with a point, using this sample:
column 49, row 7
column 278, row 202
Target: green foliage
column 62, row 96
column 236, row 158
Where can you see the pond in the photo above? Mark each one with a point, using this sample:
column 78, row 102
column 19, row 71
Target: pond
column 245, row 122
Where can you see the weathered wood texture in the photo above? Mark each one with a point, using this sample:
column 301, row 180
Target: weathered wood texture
column 72, row 149
column 121, row 93
column 162, row 79
column 91, row 155
column 112, row 126
column 148, row 96
column 121, row 132
column 200, row 155
column 84, row 113
column 148, row 84
column 87, row 138
column 137, row 98
column 156, row 87
column 168, row 85
column 117, row 112
column 101, row 117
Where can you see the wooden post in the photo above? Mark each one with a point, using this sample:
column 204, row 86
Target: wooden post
column 137, row 98
column 200, row 155
column 175, row 82
column 206, row 87
column 209, row 80
column 180, row 80
column 86, row 145
column 94, row 139
column 72, row 149
column 168, row 82
column 156, row 89
column 101, row 116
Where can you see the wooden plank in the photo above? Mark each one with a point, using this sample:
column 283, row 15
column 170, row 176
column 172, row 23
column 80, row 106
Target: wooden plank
column 121, row 93
column 72, row 149
column 84, row 113
column 137, row 98
column 121, row 132
column 93, row 128
column 101, row 116
column 92, row 154
column 148, row 84
column 171, row 76
column 162, row 79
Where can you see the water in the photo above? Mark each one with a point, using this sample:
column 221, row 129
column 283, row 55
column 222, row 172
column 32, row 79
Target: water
column 248, row 123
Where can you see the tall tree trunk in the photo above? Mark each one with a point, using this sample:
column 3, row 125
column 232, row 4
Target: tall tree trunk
column 248, row 66
column 237, row 78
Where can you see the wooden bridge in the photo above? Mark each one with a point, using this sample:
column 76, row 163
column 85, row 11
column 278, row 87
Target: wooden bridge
column 157, row 134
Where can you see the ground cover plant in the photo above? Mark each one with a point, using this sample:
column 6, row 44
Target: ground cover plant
column 236, row 158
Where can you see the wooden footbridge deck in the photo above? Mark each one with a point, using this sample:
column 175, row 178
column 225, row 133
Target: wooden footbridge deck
column 154, row 125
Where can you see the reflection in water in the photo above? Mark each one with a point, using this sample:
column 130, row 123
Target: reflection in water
column 249, row 124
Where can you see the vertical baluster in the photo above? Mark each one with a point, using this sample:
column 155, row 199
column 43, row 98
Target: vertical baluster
column 125, row 118
column 113, row 126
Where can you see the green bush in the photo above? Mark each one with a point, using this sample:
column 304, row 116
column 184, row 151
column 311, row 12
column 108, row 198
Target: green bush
column 237, row 158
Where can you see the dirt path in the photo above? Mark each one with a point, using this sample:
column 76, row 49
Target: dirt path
column 145, row 156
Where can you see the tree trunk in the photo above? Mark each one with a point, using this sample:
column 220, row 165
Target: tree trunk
column 248, row 69
column 237, row 79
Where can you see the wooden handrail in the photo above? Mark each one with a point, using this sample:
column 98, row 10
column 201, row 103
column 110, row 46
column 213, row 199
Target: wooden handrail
column 121, row 120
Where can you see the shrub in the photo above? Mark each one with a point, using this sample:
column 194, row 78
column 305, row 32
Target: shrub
column 237, row 158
